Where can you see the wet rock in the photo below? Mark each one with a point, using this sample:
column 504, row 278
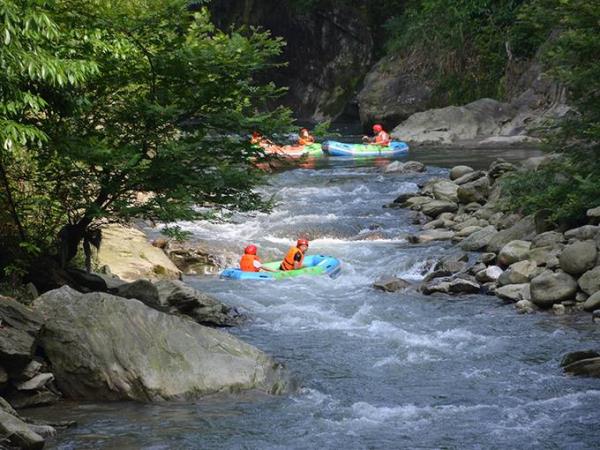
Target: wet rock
column 474, row 191
column 103, row 347
column 18, row 433
column 417, row 202
column 431, row 235
column 525, row 307
column 589, row 367
column 436, row 207
column 578, row 257
column 391, row 284
column 402, row 198
column 589, row 282
column 549, row 238
column 491, row 273
column 459, row 171
column 559, row 309
column 519, row 272
column 572, row 357
column 456, row 286
column 418, row 218
column 514, row 292
column 479, row 239
column 512, row 252
column 523, row 230
column 196, row 258
column 583, row 233
column 549, row 288
column 407, row 167
column 592, row 303
column 596, row 316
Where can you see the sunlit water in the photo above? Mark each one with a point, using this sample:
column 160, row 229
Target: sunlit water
column 376, row 370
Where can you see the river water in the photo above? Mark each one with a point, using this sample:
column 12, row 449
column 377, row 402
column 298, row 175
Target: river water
column 376, row 370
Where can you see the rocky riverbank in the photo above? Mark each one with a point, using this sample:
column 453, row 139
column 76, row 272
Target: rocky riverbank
column 523, row 260
column 143, row 339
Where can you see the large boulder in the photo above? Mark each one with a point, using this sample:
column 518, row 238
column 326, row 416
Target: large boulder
column 451, row 124
column 522, row 230
column 589, row 282
column 479, row 239
column 436, row 207
column 458, row 171
column 18, row 433
column 445, row 190
column 513, row 251
column 391, row 284
column 474, row 191
column 519, row 272
column 549, row 288
column 592, row 303
column 130, row 256
column 103, row 347
column 578, row 257
column 514, row 292
column 549, row 238
column 583, row 233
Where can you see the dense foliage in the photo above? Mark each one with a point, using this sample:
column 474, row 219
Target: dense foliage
column 571, row 185
column 113, row 110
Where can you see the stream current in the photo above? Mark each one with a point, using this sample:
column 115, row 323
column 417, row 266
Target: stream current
column 376, row 370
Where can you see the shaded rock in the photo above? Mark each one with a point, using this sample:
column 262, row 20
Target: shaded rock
column 514, row 292
column 479, row 239
column 29, row 399
column 37, row 382
column 474, row 191
column 456, row 286
column 487, row 258
column 18, row 335
column 525, row 307
column 596, row 316
column 572, row 357
column 594, row 215
column 549, row 288
column 522, row 230
column 583, row 233
column 18, row 433
column 585, row 367
column 436, row 207
column 499, row 168
column 459, row 171
column 436, row 274
column 549, row 238
column 519, row 272
column 144, row 291
column 452, row 263
column 513, row 251
column 471, row 208
column 90, row 282
column 417, row 202
column 470, row 177
column 391, row 284
column 402, row 198
column 578, row 257
column 491, row 273
column 559, row 309
column 103, row 347
column 592, row 303
column 589, row 282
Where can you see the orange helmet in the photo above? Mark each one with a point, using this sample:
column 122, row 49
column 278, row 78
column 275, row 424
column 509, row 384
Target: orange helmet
column 256, row 134
column 302, row 242
column 303, row 130
column 377, row 128
column 250, row 250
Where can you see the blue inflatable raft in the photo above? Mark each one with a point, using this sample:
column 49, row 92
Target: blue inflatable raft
column 312, row 265
column 334, row 148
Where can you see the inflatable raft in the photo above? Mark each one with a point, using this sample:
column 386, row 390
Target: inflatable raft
column 334, row 148
column 312, row 265
column 295, row 151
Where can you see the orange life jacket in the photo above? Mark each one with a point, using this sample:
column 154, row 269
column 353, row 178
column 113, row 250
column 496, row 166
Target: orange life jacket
column 288, row 261
column 247, row 263
column 306, row 140
column 382, row 138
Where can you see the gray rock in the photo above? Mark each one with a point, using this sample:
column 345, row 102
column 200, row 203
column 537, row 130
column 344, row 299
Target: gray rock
column 445, row 190
column 470, row 177
column 559, row 309
column 491, row 273
column 391, row 284
column 402, row 198
column 578, row 257
column 21, row 327
column 549, row 238
column 499, row 168
column 549, row 288
column 103, row 347
column 471, row 207
column 572, row 357
column 474, row 191
column 37, row 382
column 545, row 256
column 514, row 292
column 144, row 291
column 458, row 171
column 436, row 207
column 431, row 235
column 594, row 215
column 456, row 286
column 512, row 252
column 519, row 272
column 479, row 239
column 29, row 399
column 596, row 316
column 467, row 231
column 417, row 202
column 487, row 258
column 583, row 233
column 525, row 307
column 407, row 167
column 589, row 282
column 523, row 230
column 31, row 370
column 592, row 303
column 18, row 433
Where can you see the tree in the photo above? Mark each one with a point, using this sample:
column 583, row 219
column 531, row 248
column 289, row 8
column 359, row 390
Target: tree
column 161, row 118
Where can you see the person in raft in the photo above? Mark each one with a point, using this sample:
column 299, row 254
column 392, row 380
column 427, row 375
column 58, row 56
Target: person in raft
column 258, row 139
column 250, row 262
column 295, row 256
column 381, row 136
column 304, row 137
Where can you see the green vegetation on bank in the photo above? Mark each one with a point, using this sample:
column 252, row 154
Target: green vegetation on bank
column 114, row 110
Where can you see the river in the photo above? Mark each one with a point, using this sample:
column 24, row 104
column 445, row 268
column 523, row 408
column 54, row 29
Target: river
column 376, row 370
